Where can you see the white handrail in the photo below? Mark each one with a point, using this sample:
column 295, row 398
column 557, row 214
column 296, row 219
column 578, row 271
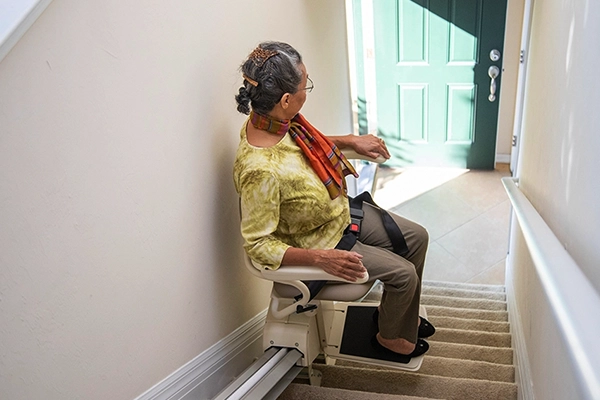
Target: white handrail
column 573, row 299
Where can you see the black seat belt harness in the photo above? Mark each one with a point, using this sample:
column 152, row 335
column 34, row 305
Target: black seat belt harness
column 351, row 235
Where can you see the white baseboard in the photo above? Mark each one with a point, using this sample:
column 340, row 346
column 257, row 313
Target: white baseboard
column 521, row 359
column 211, row 371
column 503, row 158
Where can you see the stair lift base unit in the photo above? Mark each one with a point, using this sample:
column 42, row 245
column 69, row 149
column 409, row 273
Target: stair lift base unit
column 296, row 331
column 339, row 330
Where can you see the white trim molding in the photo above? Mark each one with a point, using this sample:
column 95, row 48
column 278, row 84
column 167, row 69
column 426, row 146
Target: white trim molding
column 208, row 373
column 16, row 17
column 520, row 358
column 503, row 158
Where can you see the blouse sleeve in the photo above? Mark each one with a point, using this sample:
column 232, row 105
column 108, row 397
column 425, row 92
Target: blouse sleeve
column 259, row 192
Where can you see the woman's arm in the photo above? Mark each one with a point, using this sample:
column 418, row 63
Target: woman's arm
column 259, row 195
column 259, row 204
column 342, row 141
column 368, row 145
column 341, row 263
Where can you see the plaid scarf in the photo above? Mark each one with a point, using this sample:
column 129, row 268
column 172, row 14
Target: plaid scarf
column 325, row 158
column 266, row 123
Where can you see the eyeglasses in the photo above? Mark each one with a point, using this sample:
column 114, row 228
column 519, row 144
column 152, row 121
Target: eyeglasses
column 311, row 85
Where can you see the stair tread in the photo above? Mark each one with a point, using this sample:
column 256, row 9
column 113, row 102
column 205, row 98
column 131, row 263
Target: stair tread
column 453, row 367
column 481, row 338
column 499, row 355
column 477, row 304
column 407, row 383
column 463, row 293
column 441, row 321
column 468, row 286
column 302, row 392
column 468, row 313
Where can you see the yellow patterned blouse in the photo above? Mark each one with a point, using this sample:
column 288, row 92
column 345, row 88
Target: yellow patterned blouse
column 284, row 203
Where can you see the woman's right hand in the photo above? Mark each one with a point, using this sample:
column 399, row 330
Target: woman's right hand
column 341, row 263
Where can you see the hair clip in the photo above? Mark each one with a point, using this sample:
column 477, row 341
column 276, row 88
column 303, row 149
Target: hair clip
column 250, row 81
column 259, row 56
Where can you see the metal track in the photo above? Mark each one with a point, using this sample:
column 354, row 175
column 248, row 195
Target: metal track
column 266, row 378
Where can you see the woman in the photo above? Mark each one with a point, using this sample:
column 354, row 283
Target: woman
column 294, row 204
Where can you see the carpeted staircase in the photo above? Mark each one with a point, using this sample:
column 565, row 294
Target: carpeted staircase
column 470, row 357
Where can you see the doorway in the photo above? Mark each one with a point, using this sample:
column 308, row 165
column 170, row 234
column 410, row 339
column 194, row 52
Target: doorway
column 428, row 78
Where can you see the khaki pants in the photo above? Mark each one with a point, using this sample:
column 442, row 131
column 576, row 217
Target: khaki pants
column 399, row 311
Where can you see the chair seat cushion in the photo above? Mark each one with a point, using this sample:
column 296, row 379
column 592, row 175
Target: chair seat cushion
column 333, row 291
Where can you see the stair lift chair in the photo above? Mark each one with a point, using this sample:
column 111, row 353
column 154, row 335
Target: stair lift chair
column 335, row 323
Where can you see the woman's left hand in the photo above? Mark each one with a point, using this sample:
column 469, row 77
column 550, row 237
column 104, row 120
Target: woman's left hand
column 370, row 146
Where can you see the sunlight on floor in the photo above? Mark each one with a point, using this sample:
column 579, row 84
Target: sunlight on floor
column 466, row 213
column 396, row 186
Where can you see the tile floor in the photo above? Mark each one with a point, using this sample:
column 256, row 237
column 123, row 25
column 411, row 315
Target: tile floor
column 466, row 214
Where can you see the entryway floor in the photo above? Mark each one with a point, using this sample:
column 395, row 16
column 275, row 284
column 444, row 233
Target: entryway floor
column 466, row 213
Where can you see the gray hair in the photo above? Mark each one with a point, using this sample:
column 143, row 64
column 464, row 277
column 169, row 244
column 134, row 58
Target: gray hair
column 267, row 79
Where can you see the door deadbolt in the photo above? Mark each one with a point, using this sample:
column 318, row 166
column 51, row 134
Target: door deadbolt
column 495, row 55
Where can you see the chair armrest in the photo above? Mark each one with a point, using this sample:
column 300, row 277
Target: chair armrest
column 294, row 276
column 303, row 273
column 353, row 155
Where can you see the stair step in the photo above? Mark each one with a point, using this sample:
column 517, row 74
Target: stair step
column 298, row 391
column 480, row 338
column 407, row 383
column 452, row 367
column 479, row 304
column 467, row 286
column 463, row 293
column 456, row 368
column 498, row 355
column 441, row 321
column 467, row 313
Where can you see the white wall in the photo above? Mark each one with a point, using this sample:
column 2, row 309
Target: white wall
column 559, row 171
column 119, row 244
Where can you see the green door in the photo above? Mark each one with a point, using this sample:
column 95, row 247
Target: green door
column 433, row 84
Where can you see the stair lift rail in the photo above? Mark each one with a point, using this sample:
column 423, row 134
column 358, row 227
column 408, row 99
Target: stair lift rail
column 266, row 378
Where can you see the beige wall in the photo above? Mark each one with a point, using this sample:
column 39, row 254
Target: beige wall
column 558, row 171
column 561, row 142
column 119, row 246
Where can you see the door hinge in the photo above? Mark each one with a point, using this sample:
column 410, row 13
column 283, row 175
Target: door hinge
column 522, row 57
column 514, row 141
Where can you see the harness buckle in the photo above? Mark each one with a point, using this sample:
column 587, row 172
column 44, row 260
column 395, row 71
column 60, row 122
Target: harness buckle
column 354, row 226
column 356, row 217
column 357, row 213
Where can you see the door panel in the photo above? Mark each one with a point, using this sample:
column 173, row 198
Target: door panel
column 460, row 114
column 412, row 101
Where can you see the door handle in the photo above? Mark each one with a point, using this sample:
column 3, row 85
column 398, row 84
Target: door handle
column 493, row 72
